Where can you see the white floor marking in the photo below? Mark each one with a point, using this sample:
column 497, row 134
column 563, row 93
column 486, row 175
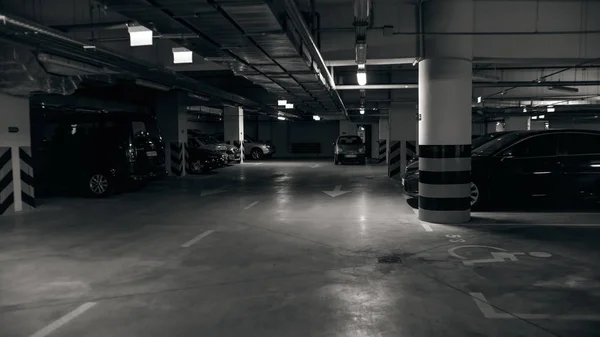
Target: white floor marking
column 252, row 205
column 426, row 226
column 197, row 238
column 211, row 192
column 489, row 312
column 315, row 166
column 48, row 329
column 336, row 192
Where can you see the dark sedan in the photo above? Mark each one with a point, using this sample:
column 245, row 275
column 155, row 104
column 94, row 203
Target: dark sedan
column 556, row 164
column 202, row 160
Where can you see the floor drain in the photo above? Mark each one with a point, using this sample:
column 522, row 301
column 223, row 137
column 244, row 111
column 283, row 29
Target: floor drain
column 389, row 259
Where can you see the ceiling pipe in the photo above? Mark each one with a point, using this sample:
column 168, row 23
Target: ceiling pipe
column 344, row 63
column 377, row 86
column 475, row 85
column 296, row 17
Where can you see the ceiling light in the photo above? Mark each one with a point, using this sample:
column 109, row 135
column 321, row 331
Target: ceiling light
column 415, row 62
column 289, row 106
column 479, row 99
column 361, row 77
column 524, row 109
column 317, row 118
column 182, row 55
column 281, row 102
column 563, row 88
column 542, row 116
column 550, row 108
column 89, row 47
column 281, row 118
column 139, row 36
column 361, row 66
column 362, row 111
column 533, row 117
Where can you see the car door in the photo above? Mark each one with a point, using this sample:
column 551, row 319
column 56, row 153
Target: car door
column 530, row 167
column 579, row 155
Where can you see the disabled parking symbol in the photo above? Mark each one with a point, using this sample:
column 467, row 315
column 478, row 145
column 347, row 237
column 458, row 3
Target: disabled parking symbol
column 497, row 255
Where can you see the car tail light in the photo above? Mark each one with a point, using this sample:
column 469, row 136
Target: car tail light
column 131, row 153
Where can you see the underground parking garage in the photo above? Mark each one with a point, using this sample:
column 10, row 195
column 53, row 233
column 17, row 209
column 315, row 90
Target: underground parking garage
column 299, row 168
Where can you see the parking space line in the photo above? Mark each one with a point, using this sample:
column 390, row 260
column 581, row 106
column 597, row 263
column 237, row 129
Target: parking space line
column 48, row 329
column 426, row 226
column 252, row 205
column 488, row 311
column 197, row 238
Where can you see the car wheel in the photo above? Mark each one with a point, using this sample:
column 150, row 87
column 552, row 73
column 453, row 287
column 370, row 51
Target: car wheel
column 197, row 166
column 335, row 160
column 256, row 154
column 99, row 185
column 476, row 196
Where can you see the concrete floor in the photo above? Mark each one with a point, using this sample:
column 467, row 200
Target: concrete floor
column 261, row 250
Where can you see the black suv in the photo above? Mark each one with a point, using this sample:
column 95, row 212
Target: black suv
column 96, row 153
column 557, row 164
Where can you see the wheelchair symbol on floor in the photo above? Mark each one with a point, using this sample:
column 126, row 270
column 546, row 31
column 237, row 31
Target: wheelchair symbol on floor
column 498, row 255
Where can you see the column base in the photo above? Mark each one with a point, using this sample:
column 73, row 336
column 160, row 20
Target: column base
column 445, row 217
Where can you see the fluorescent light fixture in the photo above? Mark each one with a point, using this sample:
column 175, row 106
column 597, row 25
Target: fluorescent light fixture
column 362, row 111
column 281, row 102
column 542, row 116
column 317, row 118
column 281, row 118
column 415, row 62
column 479, row 99
column 152, row 85
column 289, row 106
column 182, row 55
column 139, row 36
column 361, row 77
column 533, row 117
column 524, row 109
column 563, row 88
column 550, row 108
column 89, row 47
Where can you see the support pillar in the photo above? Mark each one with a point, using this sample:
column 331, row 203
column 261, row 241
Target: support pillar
column 17, row 192
column 384, row 134
column 171, row 114
column 402, row 138
column 445, row 91
column 233, row 119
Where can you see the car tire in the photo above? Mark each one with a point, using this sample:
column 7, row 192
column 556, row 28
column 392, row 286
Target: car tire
column 478, row 195
column 98, row 185
column 256, row 154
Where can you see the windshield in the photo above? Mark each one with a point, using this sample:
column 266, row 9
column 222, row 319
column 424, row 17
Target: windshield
column 249, row 139
column 496, row 144
column 350, row 140
column 207, row 139
column 477, row 142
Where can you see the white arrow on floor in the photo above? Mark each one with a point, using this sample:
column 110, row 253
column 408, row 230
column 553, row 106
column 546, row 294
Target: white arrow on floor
column 211, row 192
column 337, row 191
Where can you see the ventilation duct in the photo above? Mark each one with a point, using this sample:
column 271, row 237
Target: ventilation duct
column 22, row 75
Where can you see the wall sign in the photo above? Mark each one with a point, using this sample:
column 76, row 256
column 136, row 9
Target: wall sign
column 13, row 129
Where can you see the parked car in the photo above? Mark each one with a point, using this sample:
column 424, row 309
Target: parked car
column 476, row 142
column 202, row 160
column 349, row 149
column 211, row 143
column 556, row 164
column 96, row 153
column 253, row 148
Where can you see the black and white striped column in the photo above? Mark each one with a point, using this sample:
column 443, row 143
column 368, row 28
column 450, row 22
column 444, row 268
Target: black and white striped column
column 445, row 90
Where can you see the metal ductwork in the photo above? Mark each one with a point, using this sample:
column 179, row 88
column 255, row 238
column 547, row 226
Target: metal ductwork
column 22, row 75
column 362, row 16
column 252, row 39
column 63, row 47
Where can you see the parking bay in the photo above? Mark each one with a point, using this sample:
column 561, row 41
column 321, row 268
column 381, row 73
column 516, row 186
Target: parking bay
column 190, row 255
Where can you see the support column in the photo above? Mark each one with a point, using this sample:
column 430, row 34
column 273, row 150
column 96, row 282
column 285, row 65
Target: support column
column 445, row 91
column 514, row 123
column 233, row 119
column 17, row 192
column 171, row 114
column 402, row 138
column 384, row 134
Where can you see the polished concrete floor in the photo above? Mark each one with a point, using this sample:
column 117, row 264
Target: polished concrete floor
column 293, row 248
